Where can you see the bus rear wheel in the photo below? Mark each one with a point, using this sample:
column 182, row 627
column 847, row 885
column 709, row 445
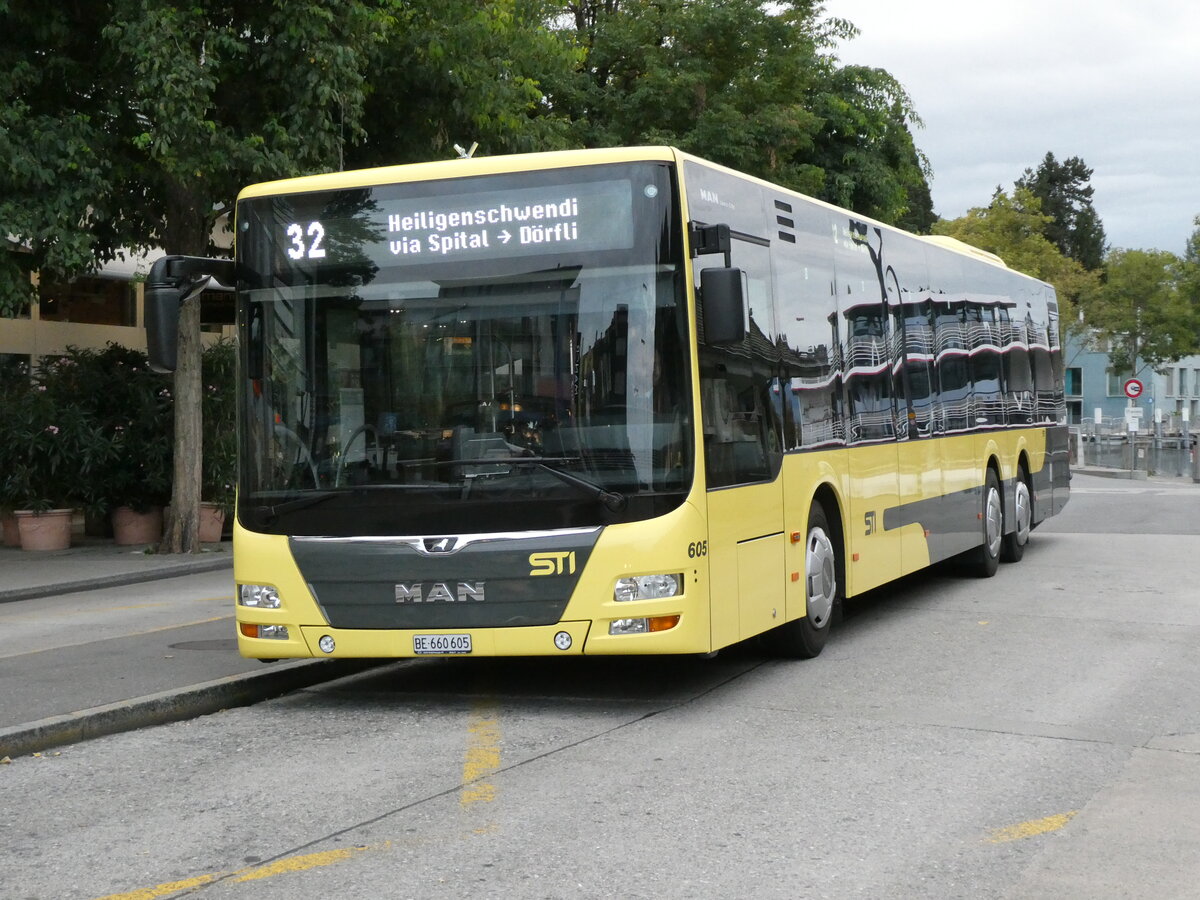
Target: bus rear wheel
column 1015, row 540
column 805, row 638
column 985, row 560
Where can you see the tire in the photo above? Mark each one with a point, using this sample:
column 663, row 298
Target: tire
column 1014, row 542
column 986, row 559
column 805, row 638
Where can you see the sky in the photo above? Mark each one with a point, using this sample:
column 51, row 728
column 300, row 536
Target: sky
column 999, row 83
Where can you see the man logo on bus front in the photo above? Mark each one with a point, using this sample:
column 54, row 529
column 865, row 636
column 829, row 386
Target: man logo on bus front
column 440, row 591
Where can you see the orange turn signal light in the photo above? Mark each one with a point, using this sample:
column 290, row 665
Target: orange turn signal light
column 663, row 623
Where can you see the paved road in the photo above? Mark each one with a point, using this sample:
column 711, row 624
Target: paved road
column 91, row 648
column 1032, row 735
column 85, row 663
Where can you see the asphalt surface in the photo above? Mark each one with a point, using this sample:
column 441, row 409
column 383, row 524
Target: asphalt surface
column 127, row 672
column 104, row 639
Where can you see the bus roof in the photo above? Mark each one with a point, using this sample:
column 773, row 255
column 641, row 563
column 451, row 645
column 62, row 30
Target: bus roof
column 557, row 159
column 457, row 168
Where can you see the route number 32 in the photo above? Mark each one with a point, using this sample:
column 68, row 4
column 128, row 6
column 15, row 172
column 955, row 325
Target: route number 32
column 310, row 250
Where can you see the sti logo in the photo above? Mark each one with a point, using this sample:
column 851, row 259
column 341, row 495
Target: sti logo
column 552, row 563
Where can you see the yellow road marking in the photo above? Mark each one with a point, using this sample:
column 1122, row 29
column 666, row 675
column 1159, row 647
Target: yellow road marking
column 279, row 867
column 308, row 861
column 1032, row 828
column 163, row 889
column 482, row 757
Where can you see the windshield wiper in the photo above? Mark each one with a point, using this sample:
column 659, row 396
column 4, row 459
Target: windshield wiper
column 273, row 510
column 614, row 501
column 313, row 498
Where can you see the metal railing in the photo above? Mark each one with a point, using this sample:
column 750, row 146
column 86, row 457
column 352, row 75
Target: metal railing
column 1143, row 453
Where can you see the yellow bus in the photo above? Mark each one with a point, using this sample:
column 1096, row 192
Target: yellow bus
column 617, row 401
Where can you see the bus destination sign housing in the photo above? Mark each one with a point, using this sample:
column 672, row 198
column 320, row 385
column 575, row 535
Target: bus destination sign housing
column 392, row 225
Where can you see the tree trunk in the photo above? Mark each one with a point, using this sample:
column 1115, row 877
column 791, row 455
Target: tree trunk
column 186, row 232
column 181, row 532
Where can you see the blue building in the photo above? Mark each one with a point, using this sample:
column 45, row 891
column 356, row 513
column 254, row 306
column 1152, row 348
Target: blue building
column 1092, row 385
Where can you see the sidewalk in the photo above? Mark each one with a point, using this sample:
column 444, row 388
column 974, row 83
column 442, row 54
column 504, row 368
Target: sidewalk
column 131, row 677
column 95, row 563
column 1136, row 475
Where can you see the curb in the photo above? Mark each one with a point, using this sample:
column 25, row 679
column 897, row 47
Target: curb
column 175, row 705
column 117, row 580
column 1135, row 475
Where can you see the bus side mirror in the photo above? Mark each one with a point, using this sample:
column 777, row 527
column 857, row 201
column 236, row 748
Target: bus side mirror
column 723, row 305
column 172, row 281
column 162, row 325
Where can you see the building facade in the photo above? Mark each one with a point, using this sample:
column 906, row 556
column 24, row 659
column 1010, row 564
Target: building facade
column 89, row 312
column 1096, row 393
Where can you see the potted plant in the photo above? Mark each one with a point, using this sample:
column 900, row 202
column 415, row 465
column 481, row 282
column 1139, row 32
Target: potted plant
column 54, row 448
column 133, row 406
column 219, row 410
column 14, row 383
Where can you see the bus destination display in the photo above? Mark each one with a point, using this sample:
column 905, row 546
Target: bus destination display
column 587, row 216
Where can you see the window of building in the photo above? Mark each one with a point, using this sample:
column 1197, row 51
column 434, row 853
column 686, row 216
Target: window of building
column 89, row 301
column 1074, row 381
column 1116, row 382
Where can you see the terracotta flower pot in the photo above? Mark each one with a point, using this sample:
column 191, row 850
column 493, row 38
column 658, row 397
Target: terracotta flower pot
column 49, row 530
column 212, row 522
column 132, row 527
column 12, row 532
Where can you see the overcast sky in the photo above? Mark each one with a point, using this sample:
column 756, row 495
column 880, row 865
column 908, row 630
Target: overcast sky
column 998, row 84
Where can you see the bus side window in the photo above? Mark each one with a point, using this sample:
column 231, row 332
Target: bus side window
column 739, row 389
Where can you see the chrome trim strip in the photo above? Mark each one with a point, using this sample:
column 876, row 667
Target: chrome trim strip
column 420, row 543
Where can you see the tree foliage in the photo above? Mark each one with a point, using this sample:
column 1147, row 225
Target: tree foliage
column 750, row 84
column 1142, row 312
column 1014, row 229
column 1065, row 192
column 132, row 124
column 464, row 72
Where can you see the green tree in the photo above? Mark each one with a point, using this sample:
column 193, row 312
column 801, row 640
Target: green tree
column 1141, row 311
column 464, row 72
column 133, row 123
column 1189, row 284
column 1014, row 229
column 866, row 150
column 1065, row 192
column 753, row 85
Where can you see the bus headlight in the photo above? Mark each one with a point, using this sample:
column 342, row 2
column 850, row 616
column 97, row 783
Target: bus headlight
column 260, row 596
column 647, row 587
column 642, row 626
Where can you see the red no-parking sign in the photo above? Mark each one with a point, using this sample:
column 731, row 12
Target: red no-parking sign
column 1133, row 388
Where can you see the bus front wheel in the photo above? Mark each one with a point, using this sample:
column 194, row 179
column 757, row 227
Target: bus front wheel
column 804, row 638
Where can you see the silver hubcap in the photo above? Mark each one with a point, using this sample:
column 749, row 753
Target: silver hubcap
column 1024, row 513
column 822, row 577
column 994, row 516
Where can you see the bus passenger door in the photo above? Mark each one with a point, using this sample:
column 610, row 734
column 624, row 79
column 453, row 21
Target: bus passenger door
column 741, row 398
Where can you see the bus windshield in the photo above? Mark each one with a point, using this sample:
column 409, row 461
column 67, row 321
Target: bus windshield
column 472, row 356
